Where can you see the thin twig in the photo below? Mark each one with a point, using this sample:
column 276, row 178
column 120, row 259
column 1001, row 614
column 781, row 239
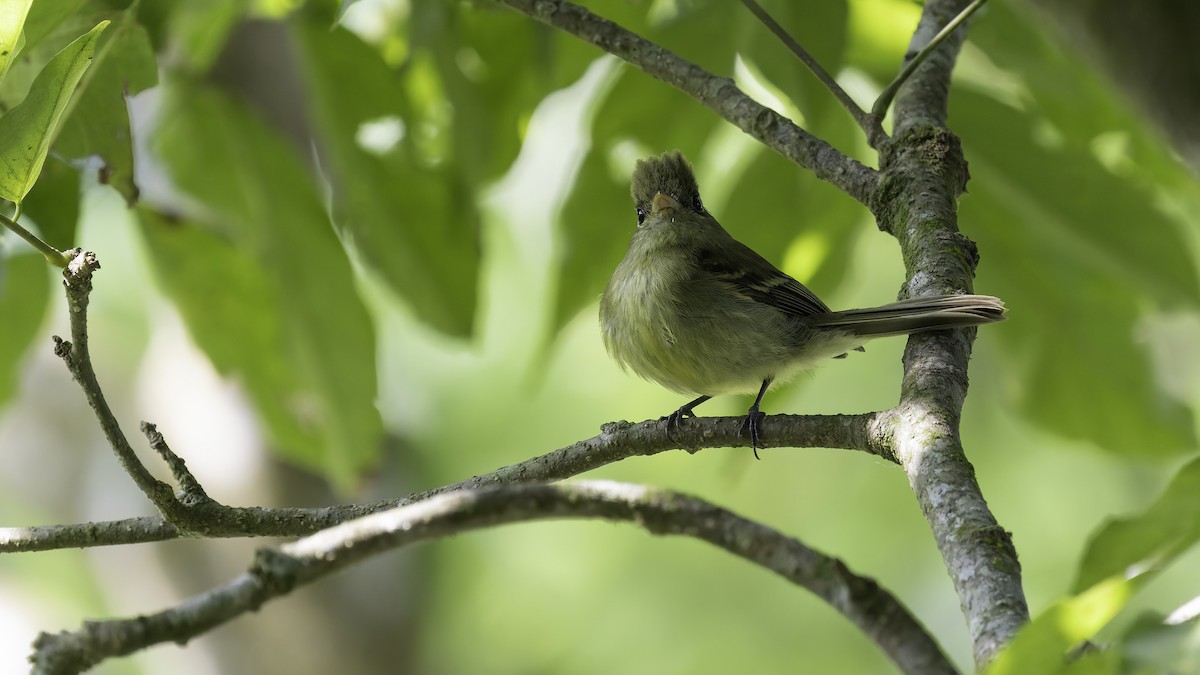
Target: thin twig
column 52, row 255
column 870, row 124
column 868, row 432
column 879, row 110
column 276, row 572
column 77, row 279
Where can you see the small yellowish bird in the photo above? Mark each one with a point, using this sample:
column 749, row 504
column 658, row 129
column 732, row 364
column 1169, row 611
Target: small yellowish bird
column 698, row 312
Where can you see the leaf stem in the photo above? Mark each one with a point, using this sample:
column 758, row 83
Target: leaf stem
column 879, row 110
column 53, row 256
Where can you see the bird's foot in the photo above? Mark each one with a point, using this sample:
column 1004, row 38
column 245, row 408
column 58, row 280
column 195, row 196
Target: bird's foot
column 753, row 426
column 675, row 419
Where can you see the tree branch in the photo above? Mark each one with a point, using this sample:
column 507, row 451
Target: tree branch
column 869, row 432
column 719, row 94
column 924, row 173
column 277, row 571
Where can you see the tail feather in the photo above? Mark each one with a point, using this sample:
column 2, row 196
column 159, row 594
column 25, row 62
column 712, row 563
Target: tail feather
column 915, row 315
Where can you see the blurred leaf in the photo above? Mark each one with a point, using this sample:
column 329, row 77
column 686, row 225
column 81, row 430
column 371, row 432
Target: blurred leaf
column 414, row 225
column 27, row 130
column 776, row 205
column 245, row 174
column 1150, row 540
column 125, row 64
column 878, row 36
column 239, row 324
column 201, row 30
column 495, row 70
column 53, row 203
column 699, row 31
column 819, row 27
column 1151, row 645
column 1044, row 645
column 44, row 17
column 24, row 294
column 1075, row 276
column 12, row 34
column 598, row 217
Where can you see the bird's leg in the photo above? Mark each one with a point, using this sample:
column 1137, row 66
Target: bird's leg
column 754, row 417
column 676, row 418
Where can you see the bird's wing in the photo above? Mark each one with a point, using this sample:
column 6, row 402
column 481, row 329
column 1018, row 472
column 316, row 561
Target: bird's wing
column 755, row 278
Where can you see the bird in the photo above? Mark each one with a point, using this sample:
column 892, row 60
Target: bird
column 700, row 313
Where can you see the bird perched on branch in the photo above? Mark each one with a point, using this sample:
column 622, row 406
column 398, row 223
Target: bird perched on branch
column 698, row 312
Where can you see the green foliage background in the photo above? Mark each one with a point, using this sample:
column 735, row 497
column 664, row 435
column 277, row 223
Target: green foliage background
column 406, row 309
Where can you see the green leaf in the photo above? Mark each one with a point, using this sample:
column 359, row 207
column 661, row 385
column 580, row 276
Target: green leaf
column 1154, row 644
column 239, row 323
column 801, row 224
column 494, row 72
column 1150, row 540
column 45, row 17
column 27, row 131
column 598, row 217
column 821, row 29
column 24, row 295
column 53, row 203
column 414, row 224
column 1045, row 644
column 1076, row 278
column 99, row 124
column 251, row 181
column 202, row 29
column 12, row 25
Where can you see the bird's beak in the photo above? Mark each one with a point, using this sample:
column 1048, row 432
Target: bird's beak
column 663, row 202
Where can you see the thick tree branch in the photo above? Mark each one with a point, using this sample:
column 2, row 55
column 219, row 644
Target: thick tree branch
column 277, row 571
column 719, row 94
column 869, row 432
column 925, row 172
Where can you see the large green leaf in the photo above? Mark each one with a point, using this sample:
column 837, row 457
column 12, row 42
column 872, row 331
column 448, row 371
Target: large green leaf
column 790, row 217
column 1157, row 644
column 1073, row 101
column 414, row 224
column 99, row 124
column 24, row 294
column 53, row 203
column 254, row 183
column 495, row 68
column 1150, row 540
column 1045, row 645
column 27, row 130
column 1054, row 228
column 12, row 26
column 45, row 17
column 820, row 27
column 598, row 217
column 238, row 322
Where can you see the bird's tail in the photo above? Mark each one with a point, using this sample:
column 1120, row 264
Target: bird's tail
column 915, row 315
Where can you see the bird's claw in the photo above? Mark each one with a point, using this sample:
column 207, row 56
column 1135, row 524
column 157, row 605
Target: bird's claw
column 753, row 426
column 675, row 419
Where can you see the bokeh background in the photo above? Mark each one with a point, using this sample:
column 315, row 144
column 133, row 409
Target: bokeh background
column 474, row 167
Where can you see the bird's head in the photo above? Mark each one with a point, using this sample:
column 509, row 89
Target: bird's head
column 664, row 183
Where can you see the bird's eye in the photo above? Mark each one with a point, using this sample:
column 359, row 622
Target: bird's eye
column 641, row 215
